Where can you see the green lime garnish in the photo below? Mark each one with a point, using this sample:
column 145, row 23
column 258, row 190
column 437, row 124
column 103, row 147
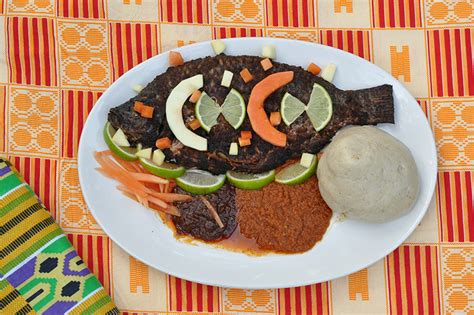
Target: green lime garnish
column 318, row 109
column 250, row 181
column 166, row 170
column 291, row 108
column 200, row 182
column 233, row 110
column 126, row 153
column 296, row 173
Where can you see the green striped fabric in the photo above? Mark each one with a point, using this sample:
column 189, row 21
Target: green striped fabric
column 39, row 269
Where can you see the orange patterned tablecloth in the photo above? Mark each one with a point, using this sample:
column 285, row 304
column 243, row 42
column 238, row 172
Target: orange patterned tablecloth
column 57, row 57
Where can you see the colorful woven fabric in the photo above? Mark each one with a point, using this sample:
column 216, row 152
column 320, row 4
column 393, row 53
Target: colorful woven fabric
column 57, row 58
column 39, row 269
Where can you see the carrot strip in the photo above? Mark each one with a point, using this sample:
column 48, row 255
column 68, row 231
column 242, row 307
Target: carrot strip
column 103, row 153
column 138, row 188
column 170, row 197
column 148, row 178
column 126, row 165
column 141, row 199
column 158, row 202
column 171, row 186
column 137, row 167
column 213, row 211
column 172, row 210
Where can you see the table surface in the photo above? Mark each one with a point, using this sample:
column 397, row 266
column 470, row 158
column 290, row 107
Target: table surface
column 56, row 59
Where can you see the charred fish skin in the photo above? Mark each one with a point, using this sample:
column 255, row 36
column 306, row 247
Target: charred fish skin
column 352, row 107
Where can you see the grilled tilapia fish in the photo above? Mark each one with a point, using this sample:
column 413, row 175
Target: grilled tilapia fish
column 361, row 107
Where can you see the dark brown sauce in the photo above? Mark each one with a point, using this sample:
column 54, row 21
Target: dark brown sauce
column 238, row 242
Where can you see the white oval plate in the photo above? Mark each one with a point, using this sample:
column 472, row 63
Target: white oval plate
column 347, row 247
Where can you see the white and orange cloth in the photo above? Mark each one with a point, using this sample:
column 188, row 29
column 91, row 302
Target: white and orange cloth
column 57, row 58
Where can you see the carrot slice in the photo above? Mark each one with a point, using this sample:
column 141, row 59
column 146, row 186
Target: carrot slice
column 246, row 134
column 195, row 96
column 163, row 143
column 275, row 118
column 258, row 118
column 194, row 124
column 314, row 69
column 266, row 64
column 175, row 58
column 147, row 111
column 244, row 142
column 138, row 106
column 246, row 75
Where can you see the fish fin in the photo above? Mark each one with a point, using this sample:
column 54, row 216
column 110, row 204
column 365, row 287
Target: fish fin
column 377, row 102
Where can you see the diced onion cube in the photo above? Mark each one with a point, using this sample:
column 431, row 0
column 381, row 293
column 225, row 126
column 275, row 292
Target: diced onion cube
column 306, row 159
column 268, row 51
column 137, row 88
column 120, row 139
column 227, row 78
column 218, row 46
column 144, row 153
column 233, row 149
column 158, row 157
column 328, row 72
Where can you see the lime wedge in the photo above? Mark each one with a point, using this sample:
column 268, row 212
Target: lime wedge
column 319, row 108
column 126, row 153
column 296, row 173
column 233, row 108
column 166, row 170
column 250, row 181
column 200, row 182
column 207, row 111
column 291, row 108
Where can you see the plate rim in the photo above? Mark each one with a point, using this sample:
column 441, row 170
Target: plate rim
column 216, row 282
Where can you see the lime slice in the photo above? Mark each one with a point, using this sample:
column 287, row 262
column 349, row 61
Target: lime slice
column 296, row 173
column 200, row 182
column 207, row 111
column 250, row 181
column 291, row 108
column 166, row 170
column 319, row 108
column 233, row 108
column 126, row 153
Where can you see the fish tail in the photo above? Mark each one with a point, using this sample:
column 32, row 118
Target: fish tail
column 377, row 102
